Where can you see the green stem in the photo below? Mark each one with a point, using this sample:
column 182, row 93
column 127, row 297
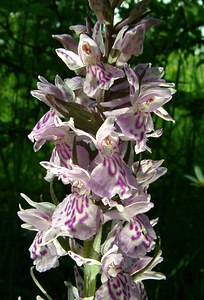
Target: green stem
column 53, row 196
column 39, row 285
column 91, row 250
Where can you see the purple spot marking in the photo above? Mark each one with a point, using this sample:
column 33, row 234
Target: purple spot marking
column 136, row 237
column 84, row 218
column 67, row 56
column 53, row 114
column 141, row 137
column 110, row 290
column 119, row 293
column 38, row 125
column 131, row 131
column 140, row 120
column 64, row 154
column 46, row 118
column 112, row 167
column 80, row 204
column 43, row 253
column 121, row 182
column 99, row 72
column 131, row 226
column 147, row 242
column 93, row 70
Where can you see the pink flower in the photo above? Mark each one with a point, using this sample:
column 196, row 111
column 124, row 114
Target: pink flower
column 45, row 256
column 99, row 75
column 76, row 216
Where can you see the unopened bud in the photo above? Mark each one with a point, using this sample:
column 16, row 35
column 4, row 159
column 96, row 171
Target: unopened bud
column 102, row 9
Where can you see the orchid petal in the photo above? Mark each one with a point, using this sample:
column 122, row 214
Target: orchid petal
column 71, row 59
column 100, row 76
column 133, row 40
column 74, row 83
column 133, row 82
column 35, row 218
column 151, row 275
column 68, row 175
column 137, row 237
column 120, row 287
column 115, row 102
column 155, row 134
column 134, row 127
column 112, row 177
column 47, row 121
column 80, row 260
column 79, row 282
column 88, row 50
column 161, row 112
column 76, row 216
column 45, row 207
column 78, row 29
column 128, row 212
column 106, row 129
column 67, row 41
column 97, row 36
column 45, row 257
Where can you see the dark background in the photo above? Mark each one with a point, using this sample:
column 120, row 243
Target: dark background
column 28, row 50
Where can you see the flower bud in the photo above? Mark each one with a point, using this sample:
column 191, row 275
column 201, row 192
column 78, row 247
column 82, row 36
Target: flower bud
column 102, row 9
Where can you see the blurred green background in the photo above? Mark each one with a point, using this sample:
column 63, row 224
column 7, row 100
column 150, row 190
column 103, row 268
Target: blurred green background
column 28, row 50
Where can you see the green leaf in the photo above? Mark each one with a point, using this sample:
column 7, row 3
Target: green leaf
column 83, row 118
column 198, row 173
column 191, row 178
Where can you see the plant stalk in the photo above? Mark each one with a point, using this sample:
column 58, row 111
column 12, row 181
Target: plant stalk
column 92, row 250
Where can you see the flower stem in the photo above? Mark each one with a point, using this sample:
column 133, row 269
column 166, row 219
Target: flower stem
column 39, row 285
column 92, row 250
